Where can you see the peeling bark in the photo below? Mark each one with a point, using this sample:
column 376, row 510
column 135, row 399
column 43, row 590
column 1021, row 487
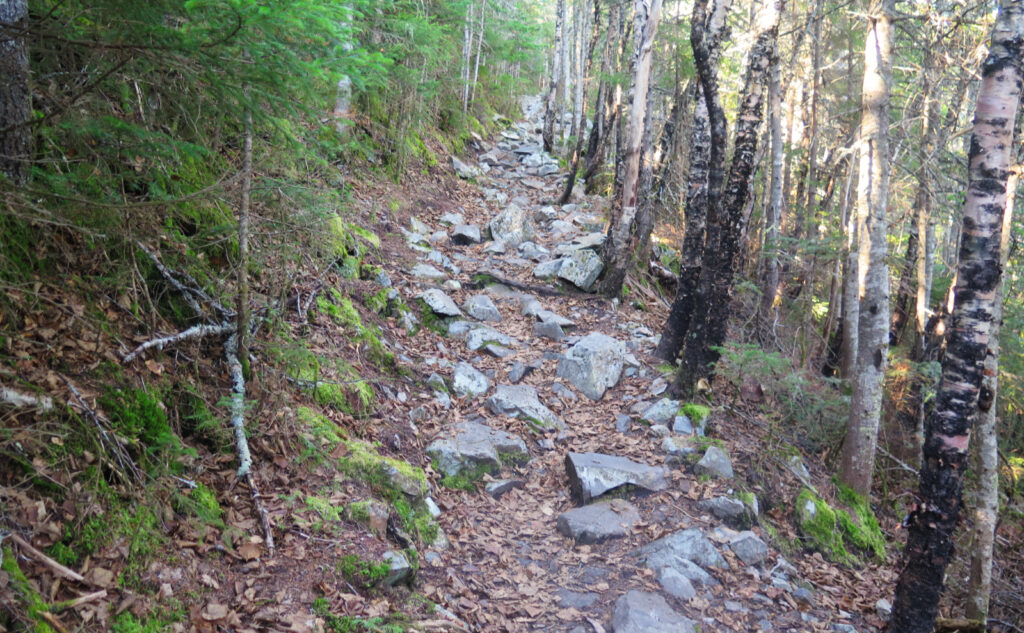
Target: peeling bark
column 957, row 403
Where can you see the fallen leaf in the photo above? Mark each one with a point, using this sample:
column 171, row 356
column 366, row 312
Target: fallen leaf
column 249, row 551
column 215, row 611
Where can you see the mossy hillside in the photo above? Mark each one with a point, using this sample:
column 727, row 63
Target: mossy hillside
column 343, row 312
column 334, row 384
column 363, row 572
column 319, row 434
column 32, row 604
column 200, row 502
column 139, row 416
column 831, row 530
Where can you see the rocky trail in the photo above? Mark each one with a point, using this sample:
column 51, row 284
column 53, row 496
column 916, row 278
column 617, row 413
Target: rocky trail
column 603, row 505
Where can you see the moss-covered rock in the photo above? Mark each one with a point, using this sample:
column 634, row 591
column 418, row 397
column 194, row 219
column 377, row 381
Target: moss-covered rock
column 817, row 522
column 834, row 531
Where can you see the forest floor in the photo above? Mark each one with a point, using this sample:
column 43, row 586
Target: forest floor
column 504, row 565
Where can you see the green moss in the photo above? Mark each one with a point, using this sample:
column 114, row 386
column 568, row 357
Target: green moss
column 363, row 572
column 358, row 511
column 386, row 474
column 466, row 479
column 32, row 603
column 138, row 415
column 431, row 320
column 327, row 510
column 155, row 623
column 378, row 302
column 416, row 520
column 323, row 434
column 347, row 392
column 819, row 526
column 696, row 412
column 861, row 527
column 349, row 624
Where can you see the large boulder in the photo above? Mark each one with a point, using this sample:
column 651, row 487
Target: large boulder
column 521, row 401
column 598, row 522
column 511, row 226
column 581, row 268
column 594, row 364
column 644, row 612
column 661, row 412
column 472, row 447
column 593, row 474
column 466, row 234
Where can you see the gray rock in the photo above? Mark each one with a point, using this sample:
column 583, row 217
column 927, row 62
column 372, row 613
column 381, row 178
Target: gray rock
column 474, row 447
column 409, row 322
column 437, row 383
column 382, row 278
column 659, row 430
column 559, row 228
column 518, row 371
column 466, row 234
column 643, row 612
column 432, row 507
column 452, row 285
column 399, row 568
column 795, row 464
column 481, row 307
column 661, row 412
column 593, row 365
column 883, row 609
column 495, row 248
column 548, row 316
column 589, row 241
column 804, row 596
column 460, row 329
column 593, row 474
column 497, row 351
column 440, row 303
column 563, row 392
column 419, row 414
column 547, row 270
column 598, row 522
column 511, row 226
column 675, row 584
column 451, row 219
column 715, row 464
column 840, row 627
column 677, row 445
column 426, row 271
column 749, row 548
column 418, row 226
column 581, row 268
column 468, row 381
column 481, row 335
column 498, row 488
column 442, row 260
column 529, row 305
column 726, row 509
column 521, row 401
column 465, row 171
column 437, row 237
column 546, row 213
column 533, row 251
column 571, row 599
column 548, row 330
column 685, row 545
column 622, row 422
column 681, row 425
column 735, row 607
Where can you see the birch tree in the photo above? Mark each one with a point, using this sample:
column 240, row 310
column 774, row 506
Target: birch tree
column 552, row 105
column 616, row 249
column 960, row 397
column 858, row 456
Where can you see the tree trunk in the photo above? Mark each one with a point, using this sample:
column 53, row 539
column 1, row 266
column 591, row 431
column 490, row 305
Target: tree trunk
column 243, row 247
column 858, row 456
column 710, row 31
column 552, row 108
column 726, row 205
column 15, row 97
column 768, row 308
column 604, row 109
column 615, row 251
column 479, row 50
column 574, row 165
column 986, row 444
column 960, row 395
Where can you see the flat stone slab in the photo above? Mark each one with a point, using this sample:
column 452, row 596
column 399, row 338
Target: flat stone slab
column 479, row 336
column 498, row 488
column 749, row 548
column 598, row 522
column 715, row 463
column 440, row 303
column 547, row 270
column 469, row 381
column 685, row 545
column 594, row 364
column 466, row 234
column 661, row 412
column 645, row 612
column 473, row 446
column 521, row 401
column 593, row 474
column 511, row 226
column 732, row 511
column 426, row 271
column 675, row 584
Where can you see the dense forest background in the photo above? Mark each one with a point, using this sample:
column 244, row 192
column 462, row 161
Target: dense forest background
column 786, row 186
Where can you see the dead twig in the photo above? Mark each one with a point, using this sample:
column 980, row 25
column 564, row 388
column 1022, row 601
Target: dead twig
column 196, row 331
column 131, row 472
column 40, row 557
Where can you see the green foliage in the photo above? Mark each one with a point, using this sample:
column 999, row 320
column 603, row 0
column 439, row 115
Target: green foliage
column 817, row 521
column 810, row 409
column 696, row 412
column 202, row 503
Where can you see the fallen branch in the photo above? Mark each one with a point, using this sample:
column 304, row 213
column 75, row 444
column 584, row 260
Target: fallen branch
column 960, row 624
column 32, row 552
column 79, row 601
column 902, row 464
column 24, row 400
column 196, row 331
column 188, row 293
column 268, row 533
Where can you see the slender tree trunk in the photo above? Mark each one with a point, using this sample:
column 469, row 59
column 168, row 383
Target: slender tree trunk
column 709, row 27
column 858, row 456
column 603, row 111
column 986, row 443
column 243, row 247
column 574, row 165
column 615, row 251
column 479, row 50
column 768, row 309
column 467, row 56
column 726, row 218
column 552, row 108
column 960, row 396
column 15, row 97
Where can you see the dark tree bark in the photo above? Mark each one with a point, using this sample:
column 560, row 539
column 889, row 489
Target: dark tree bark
column 960, row 396
column 709, row 30
column 15, row 98
column 726, row 219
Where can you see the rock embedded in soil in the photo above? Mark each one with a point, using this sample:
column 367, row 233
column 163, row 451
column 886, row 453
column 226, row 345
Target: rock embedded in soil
column 511, row 226
column 498, row 488
column 727, row 509
column 474, row 447
column 464, row 170
column 581, row 268
column 749, row 548
column 661, row 412
column 482, row 308
column 426, row 271
column 469, row 381
column 675, row 584
column 466, row 234
column 547, row 270
column 593, row 365
column 440, row 303
column 644, row 612
column 452, row 219
column 521, row 401
column 593, row 474
column 547, row 316
column 688, row 545
column 598, row 522
column 715, row 464
column 480, row 335
column 399, row 568
column 549, row 330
